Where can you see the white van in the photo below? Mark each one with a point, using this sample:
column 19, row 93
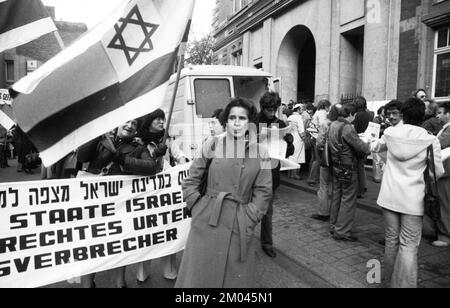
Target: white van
column 204, row 89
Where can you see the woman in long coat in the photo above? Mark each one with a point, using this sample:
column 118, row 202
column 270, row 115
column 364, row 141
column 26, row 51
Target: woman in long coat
column 220, row 251
column 298, row 131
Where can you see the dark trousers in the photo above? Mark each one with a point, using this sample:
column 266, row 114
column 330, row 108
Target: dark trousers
column 362, row 175
column 314, row 167
column 3, row 156
column 343, row 206
column 266, row 226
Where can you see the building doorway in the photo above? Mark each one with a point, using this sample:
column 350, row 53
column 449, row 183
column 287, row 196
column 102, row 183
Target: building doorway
column 352, row 63
column 296, row 64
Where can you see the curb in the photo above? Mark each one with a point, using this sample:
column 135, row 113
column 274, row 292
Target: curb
column 361, row 204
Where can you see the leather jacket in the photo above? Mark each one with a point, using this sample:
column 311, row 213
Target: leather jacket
column 352, row 146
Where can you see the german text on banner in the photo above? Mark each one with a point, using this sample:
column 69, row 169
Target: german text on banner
column 57, row 230
column 116, row 72
column 22, row 21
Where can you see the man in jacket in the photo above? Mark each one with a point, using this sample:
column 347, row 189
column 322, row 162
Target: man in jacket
column 269, row 103
column 346, row 148
column 3, row 147
column 362, row 119
column 443, row 225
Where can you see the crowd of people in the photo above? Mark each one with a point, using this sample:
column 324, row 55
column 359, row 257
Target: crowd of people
column 15, row 143
column 409, row 132
column 229, row 196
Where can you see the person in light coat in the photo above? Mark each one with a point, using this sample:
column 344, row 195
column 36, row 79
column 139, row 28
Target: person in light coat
column 298, row 131
column 403, row 191
column 220, row 250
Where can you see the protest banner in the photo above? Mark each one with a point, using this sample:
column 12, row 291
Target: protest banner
column 55, row 230
column 6, row 113
column 5, row 98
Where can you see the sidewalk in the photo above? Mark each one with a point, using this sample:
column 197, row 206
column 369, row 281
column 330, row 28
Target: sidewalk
column 345, row 264
column 10, row 174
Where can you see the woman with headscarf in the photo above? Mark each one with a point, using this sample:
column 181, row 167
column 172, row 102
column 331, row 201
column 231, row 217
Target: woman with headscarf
column 152, row 136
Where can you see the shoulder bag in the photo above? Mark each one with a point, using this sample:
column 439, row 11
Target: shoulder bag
column 204, row 180
column 431, row 204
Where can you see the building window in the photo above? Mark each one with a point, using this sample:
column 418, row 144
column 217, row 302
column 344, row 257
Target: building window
column 239, row 5
column 442, row 63
column 237, row 58
column 9, row 70
column 208, row 100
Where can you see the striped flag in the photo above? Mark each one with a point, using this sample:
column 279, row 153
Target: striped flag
column 22, row 21
column 116, row 72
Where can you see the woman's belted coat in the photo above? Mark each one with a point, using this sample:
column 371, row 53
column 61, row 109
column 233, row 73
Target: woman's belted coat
column 219, row 252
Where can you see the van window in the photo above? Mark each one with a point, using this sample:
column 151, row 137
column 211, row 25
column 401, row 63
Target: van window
column 251, row 88
column 210, row 95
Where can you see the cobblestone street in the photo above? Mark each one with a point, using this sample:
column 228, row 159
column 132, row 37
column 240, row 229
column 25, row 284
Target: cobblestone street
column 307, row 255
column 345, row 264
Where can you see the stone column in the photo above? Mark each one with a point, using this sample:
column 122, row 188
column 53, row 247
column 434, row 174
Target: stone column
column 376, row 48
column 268, row 57
column 246, row 61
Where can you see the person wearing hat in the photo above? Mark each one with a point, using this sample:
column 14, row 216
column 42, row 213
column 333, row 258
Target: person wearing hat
column 298, row 131
column 152, row 135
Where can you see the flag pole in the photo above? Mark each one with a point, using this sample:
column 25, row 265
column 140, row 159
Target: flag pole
column 181, row 53
column 59, row 39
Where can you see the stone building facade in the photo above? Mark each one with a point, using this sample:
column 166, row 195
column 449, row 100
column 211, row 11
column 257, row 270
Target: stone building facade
column 382, row 49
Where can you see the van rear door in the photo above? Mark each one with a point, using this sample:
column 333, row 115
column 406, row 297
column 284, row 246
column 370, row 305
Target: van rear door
column 209, row 93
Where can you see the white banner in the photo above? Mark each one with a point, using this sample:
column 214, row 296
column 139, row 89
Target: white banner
column 56, row 230
column 5, row 98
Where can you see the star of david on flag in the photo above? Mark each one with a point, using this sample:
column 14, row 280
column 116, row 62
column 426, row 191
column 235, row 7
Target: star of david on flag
column 116, row 72
column 118, row 42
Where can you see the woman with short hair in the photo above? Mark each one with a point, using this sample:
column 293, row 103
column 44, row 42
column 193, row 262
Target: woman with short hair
column 403, row 191
column 220, row 250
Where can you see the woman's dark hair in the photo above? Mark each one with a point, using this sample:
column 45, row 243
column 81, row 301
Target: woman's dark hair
column 417, row 92
column 413, row 111
column 333, row 115
column 346, row 110
column 432, row 109
column 216, row 114
column 394, row 104
column 310, row 107
column 323, row 104
column 381, row 110
column 270, row 100
column 248, row 105
column 360, row 103
column 445, row 106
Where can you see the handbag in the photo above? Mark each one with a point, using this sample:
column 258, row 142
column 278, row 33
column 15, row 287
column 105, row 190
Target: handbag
column 324, row 154
column 431, row 202
column 308, row 137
